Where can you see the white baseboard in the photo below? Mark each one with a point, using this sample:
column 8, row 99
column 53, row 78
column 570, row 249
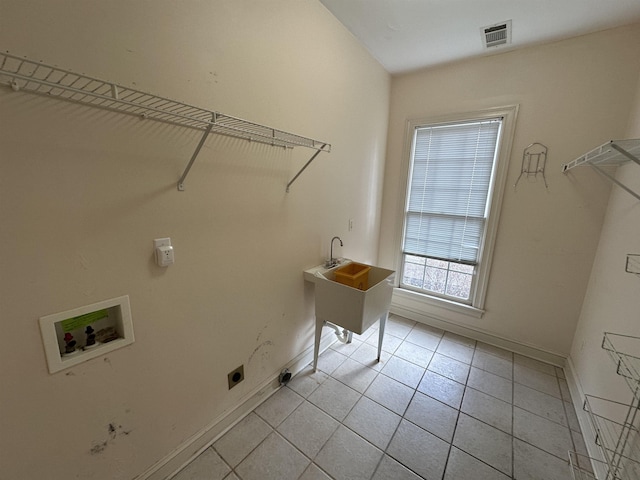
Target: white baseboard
column 577, row 396
column 476, row 334
column 200, row 441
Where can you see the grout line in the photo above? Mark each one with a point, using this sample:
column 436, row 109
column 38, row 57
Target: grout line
column 459, row 409
column 233, row 469
column 453, row 435
column 375, row 470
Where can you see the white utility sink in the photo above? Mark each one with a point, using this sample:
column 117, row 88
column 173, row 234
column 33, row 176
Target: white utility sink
column 348, row 307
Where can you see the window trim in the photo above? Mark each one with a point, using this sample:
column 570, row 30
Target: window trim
column 496, row 193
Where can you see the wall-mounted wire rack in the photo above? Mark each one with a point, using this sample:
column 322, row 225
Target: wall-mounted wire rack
column 581, row 467
column 627, row 364
column 534, row 161
column 26, row 75
column 616, row 434
column 610, row 154
column 615, row 424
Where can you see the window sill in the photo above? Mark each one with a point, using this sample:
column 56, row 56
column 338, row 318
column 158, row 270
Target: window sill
column 417, row 301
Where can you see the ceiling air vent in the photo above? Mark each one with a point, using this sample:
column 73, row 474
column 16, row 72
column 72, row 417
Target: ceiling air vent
column 496, row 35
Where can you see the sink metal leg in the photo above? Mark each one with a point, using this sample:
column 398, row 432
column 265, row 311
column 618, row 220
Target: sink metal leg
column 383, row 322
column 316, row 346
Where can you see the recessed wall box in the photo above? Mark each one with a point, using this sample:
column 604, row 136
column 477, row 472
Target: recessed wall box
column 236, row 376
column 83, row 333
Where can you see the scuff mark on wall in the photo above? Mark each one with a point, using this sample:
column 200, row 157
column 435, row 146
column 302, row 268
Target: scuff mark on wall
column 113, row 431
column 262, row 330
column 98, row 448
column 259, row 347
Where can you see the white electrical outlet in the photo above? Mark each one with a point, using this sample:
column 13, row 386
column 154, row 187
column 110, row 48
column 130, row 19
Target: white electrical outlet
column 163, row 252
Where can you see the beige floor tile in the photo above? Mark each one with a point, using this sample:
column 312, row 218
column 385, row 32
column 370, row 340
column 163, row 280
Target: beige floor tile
column 373, row 422
column 278, row 406
column 207, row 466
column 347, row 456
column 390, row 393
column 488, row 409
column 433, row 416
column 441, row 388
column 273, row 459
column 542, row 433
column 419, row 450
column 335, row 398
column 389, row 469
column 484, row 442
column 403, row 371
column 462, row 466
column 308, row 428
column 238, row 442
column 491, row 384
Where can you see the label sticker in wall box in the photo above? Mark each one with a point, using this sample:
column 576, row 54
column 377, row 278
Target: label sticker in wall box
column 83, row 320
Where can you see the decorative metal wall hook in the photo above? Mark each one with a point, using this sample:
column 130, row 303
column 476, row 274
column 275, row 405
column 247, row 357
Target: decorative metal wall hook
column 534, row 160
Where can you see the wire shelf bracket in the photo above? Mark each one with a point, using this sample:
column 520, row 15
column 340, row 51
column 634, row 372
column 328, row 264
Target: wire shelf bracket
column 613, row 153
column 26, row 75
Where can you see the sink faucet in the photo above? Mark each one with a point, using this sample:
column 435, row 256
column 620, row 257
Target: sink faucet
column 332, row 262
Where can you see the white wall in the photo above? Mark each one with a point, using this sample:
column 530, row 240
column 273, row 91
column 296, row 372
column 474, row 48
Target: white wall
column 611, row 301
column 573, row 96
column 84, row 192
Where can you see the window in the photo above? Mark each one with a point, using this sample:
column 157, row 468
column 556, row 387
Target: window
column 455, row 179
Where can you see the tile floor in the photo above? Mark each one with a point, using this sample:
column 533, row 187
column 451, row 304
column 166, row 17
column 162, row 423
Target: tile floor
column 438, row 407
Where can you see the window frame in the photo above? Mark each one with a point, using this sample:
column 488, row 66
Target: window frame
column 475, row 305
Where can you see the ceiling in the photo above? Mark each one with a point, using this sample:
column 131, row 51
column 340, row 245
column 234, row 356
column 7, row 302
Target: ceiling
column 405, row 35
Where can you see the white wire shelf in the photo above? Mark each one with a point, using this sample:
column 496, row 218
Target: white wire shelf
column 26, row 75
column 620, row 348
column 581, row 466
column 618, row 439
column 612, row 153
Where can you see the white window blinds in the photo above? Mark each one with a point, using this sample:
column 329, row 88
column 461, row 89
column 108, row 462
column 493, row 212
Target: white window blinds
column 451, row 174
